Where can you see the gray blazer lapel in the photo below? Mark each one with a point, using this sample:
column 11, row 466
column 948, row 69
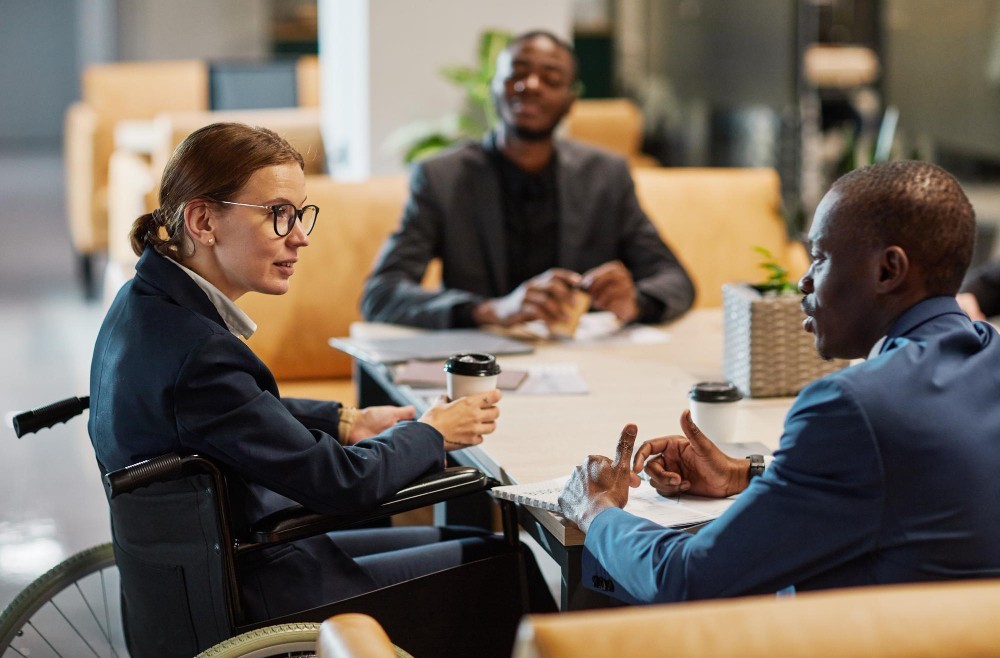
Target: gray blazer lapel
column 487, row 212
column 572, row 209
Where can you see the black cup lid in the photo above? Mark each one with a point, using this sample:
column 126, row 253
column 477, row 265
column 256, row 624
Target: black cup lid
column 472, row 365
column 715, row 392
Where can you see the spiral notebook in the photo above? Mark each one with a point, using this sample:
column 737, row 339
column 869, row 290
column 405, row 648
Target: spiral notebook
column 674, row 512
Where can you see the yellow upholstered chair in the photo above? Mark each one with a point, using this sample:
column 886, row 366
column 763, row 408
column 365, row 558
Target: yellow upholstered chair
column 355, row 635
column 307, row 80
column 712, row 218
column 111, row 93
column 614, row 124
column 944, row 620
column 324, row 297
column 932, row 620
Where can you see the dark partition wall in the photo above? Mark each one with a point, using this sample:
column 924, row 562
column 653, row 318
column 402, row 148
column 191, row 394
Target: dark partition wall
column 942, row 70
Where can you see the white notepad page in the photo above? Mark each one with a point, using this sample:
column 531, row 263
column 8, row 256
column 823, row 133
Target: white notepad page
column 674, row 512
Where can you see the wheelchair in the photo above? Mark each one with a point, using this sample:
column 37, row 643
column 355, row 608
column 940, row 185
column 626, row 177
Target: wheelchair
column 74, row 609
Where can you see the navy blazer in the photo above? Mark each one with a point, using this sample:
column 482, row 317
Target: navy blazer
column 455, row 213
column 168, row 376
column 887, row 472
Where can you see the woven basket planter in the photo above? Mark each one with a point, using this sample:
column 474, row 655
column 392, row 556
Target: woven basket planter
column 766, row 353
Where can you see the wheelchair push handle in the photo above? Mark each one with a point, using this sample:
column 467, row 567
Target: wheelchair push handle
column 130, row 478
column 49, row 415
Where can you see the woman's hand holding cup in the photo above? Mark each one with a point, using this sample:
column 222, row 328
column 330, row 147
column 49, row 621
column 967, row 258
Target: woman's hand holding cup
column 464, row 422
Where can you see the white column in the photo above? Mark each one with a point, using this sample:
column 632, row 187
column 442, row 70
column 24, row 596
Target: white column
column 381, row 61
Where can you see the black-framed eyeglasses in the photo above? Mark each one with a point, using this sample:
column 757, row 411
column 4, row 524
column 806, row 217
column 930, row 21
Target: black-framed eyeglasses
column 285, row 215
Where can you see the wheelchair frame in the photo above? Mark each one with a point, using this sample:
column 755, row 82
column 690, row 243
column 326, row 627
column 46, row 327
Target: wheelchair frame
column 292, row 631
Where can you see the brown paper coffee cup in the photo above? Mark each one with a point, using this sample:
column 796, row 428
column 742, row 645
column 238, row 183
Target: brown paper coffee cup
column 578, row 305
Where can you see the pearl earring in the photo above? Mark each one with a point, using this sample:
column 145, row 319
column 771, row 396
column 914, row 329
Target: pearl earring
column 211, row 241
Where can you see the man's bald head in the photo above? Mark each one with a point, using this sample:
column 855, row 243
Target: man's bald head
column 917, row 206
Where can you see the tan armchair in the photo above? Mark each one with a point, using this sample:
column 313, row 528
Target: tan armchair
column 324, row 297
column 111, row 93
column 712, row 219
column 614, row 124
column 954, row 619
column 933, row 620
column 355, row 635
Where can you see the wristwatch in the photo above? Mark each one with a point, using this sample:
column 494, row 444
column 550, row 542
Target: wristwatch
column 756, row 465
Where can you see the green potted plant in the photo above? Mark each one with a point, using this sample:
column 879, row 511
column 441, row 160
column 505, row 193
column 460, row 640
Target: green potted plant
column 422, row 139
column 766, row 353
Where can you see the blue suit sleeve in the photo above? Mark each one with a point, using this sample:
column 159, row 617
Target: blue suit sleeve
column 222, row 411
column 816, row 508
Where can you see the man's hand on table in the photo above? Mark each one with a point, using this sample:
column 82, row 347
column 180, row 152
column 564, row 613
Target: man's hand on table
column 691, row 464
column 600, row 483
column 612, row 288
column 544, row 297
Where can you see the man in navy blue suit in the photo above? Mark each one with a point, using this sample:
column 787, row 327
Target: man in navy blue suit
column 887, row 471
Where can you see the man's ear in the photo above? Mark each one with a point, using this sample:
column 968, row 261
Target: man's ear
column 199, row 223
column 894, row 269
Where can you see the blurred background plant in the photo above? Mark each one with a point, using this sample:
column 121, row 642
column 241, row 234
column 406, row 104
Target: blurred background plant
column 777, row 276
column 423, row 139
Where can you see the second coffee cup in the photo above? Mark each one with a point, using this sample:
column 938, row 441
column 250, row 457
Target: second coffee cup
column 713, row 409
column 471, row 373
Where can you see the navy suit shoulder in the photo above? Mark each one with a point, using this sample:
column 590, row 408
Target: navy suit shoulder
column 882, row 476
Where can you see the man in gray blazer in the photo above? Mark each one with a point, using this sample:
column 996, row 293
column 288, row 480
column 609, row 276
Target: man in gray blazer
column 521, row 220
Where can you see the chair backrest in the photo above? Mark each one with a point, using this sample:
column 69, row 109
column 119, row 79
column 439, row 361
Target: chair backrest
column 614, row 124
column 712, row 219
column 133, row 90
column 324, row 297
column 944, row 620
column 353, row 635
column 307, row 76
column 300, row 126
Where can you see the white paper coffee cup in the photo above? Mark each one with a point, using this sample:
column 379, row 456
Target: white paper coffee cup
column 714, row 407
column 471, row 373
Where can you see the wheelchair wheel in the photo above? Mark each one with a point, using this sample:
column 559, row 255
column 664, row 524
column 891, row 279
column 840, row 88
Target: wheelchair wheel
column 280, row 640
column 73, row 609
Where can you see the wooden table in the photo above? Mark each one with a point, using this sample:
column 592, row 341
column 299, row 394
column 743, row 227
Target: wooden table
column 545, row 436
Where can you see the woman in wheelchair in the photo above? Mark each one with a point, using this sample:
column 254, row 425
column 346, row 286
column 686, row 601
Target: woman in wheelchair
column 170, row 373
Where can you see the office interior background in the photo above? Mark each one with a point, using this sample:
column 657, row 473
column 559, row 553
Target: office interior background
column 719, row 83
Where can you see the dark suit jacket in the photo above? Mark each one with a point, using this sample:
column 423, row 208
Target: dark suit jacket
column 168, row 376
column 984, row 283
column 455, row 213
column 887, row 473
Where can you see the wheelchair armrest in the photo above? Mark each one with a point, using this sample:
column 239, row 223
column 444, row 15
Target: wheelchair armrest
column 297, row 522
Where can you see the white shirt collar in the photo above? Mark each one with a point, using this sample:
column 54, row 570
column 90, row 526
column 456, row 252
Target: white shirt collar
column 238, row 322
column 877, row 347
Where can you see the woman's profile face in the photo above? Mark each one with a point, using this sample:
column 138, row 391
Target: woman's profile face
column 250, row 256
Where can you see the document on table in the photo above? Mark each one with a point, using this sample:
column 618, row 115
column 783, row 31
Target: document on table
column 597, row 328
column 428, row 345
column 554, row 379
column 674, row 512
